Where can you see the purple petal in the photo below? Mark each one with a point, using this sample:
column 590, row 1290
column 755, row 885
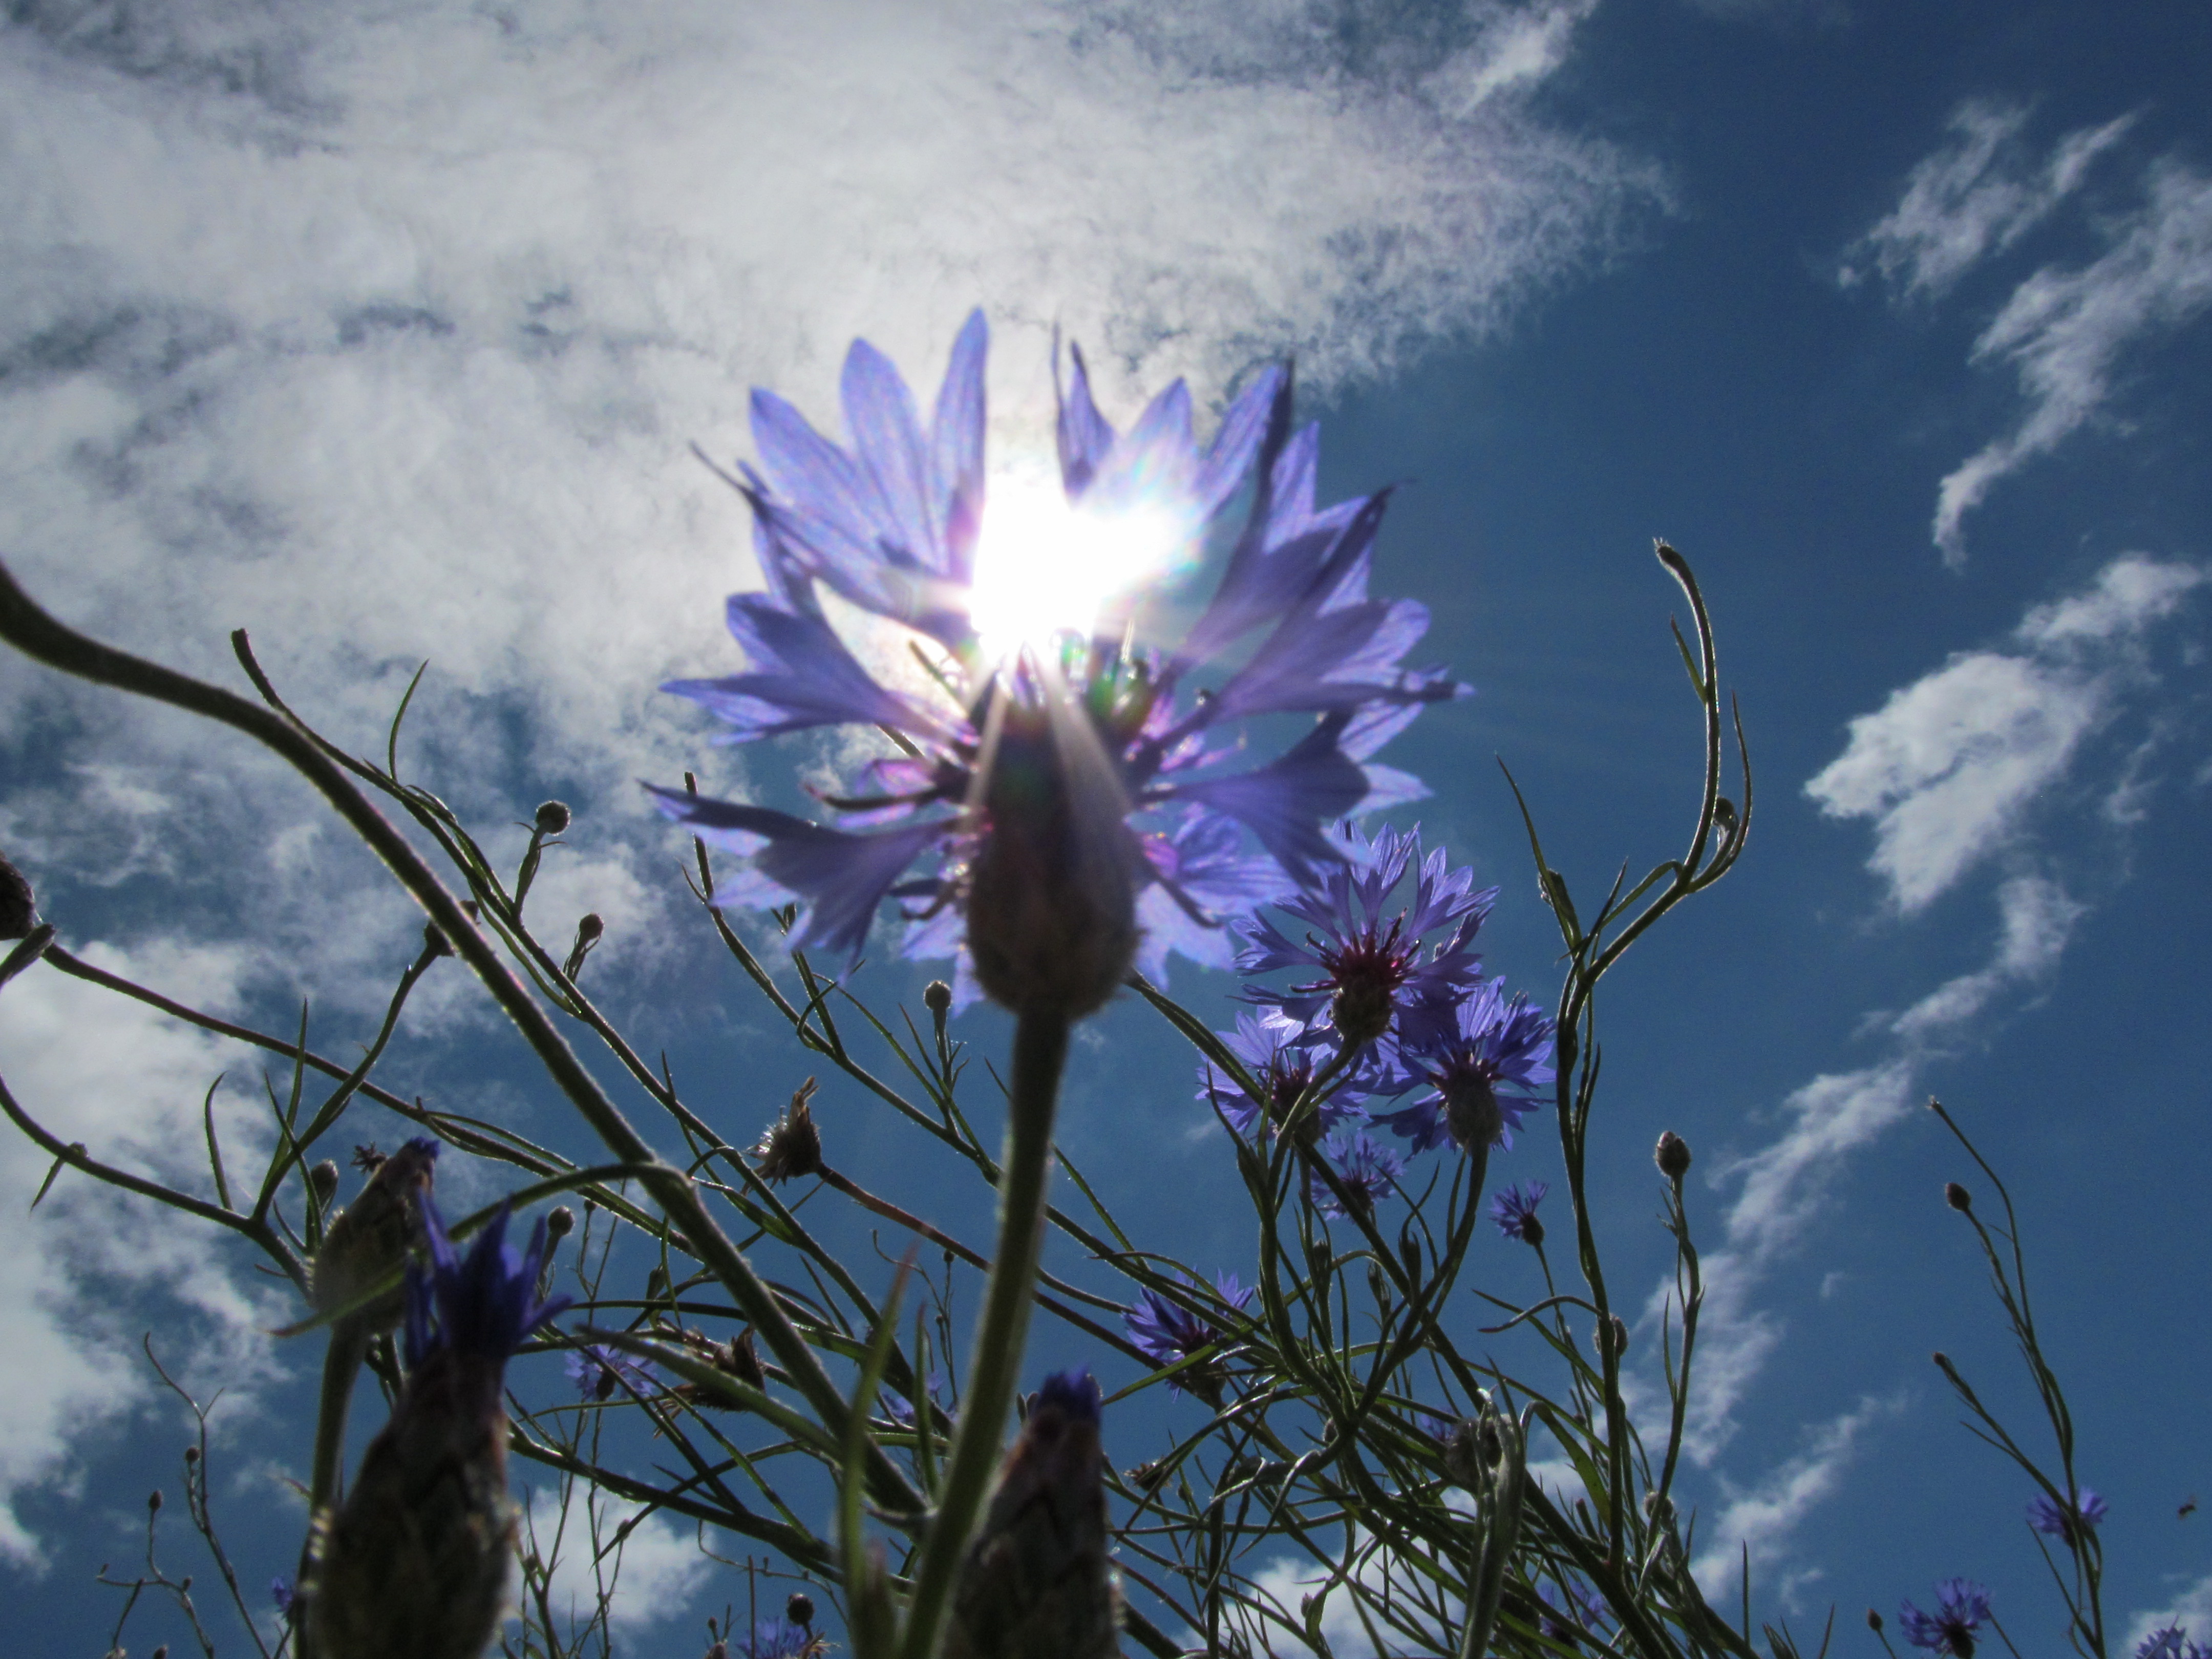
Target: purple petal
column 894, row 462
column 1285, row 802
column 803, row 676
column 956, row 447
column 1084, row 435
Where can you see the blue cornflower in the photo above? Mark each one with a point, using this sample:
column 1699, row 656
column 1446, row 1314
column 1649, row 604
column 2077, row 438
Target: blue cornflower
column 599, row 1369
column 480, row 1306
column 2049, row 1515
column 900, row 1410
column 282, row 1593
column 1588, row 1610
column 1166, row 1331
column 2171, row 1643
column 1495, row 1045
column 1367, row 1169
column 1961, row 1604
column 779, row 1639
column 1383, row 979
column 1269, row 1046
column 1063, row 797
column 1514, row 1210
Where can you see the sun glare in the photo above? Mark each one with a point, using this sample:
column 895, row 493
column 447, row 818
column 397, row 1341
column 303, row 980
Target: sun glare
column 1044, row 567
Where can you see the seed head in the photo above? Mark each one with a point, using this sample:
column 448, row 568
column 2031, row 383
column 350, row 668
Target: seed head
column 792, row 1148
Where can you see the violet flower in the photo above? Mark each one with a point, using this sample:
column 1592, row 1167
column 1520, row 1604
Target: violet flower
column 1961, row 1604
column 1167, row 1332
column 1514, row 1210
column 1383, row 979
column 1479, row 1075
column 2051, row 1517
column 599, row 1370
column 1268, row 1045
column 1368, row 1170
column 1071, row 780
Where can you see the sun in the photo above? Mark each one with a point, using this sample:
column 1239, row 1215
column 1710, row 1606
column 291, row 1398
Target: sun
column 1045, row 566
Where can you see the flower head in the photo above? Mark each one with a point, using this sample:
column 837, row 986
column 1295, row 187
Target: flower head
column 599, row 1370
column 481, row 1305
column 1057, row 779
column 2171, row 1642
column 1961, row 1604
column 1367, row 1169
column 1477, row 1075
column 1387, row 976
column 1167, row 1332
column 1282, row 1067
column 780, row 1638
column 2049, row 1515
column 1514, row 1210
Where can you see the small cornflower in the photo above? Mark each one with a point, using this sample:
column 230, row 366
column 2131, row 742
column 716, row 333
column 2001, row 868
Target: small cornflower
column 1514, row 1210
column 1389, row 978
column 2050, row 1515
column 1166, row 1331
column 1582, row 1606
column 282, row 1593
column 1961, row 1606
column 1367, row 1169
column 599, row 1369
column 779, row 1639
column 1058, row 778
column 2171, row 1643
column 1269, row 1046
column 1479, row 1074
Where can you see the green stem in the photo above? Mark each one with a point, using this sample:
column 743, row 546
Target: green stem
column 1040, row 1051
column 341, row 1367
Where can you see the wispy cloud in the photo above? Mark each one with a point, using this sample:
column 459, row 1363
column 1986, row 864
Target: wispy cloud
column 2191, row 1610
column 645, row 1568
column 1762, row 1520
column 1946, row 766
column 128, row 1082
column 1978, row 195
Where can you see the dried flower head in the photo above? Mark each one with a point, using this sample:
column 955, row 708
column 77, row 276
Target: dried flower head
column 792, row 1148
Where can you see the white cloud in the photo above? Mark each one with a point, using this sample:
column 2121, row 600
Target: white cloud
column 2063, row 332
column 1764, row 1518
column 96, row 1068
column 648, row 1574
column 1946, row 766
column 1976, row 196
column 2037, row 918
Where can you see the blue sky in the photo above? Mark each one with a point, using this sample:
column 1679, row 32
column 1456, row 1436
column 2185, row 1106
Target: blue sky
column 384, row 334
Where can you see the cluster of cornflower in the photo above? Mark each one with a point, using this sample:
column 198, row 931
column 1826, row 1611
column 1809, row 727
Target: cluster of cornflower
column 1388, row 1000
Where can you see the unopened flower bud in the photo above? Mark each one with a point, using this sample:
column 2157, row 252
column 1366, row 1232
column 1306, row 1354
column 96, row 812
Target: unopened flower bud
column 1611, row 1336
column 1409, row 1252
column 1462, row 1464
column 1672, row 1155
column 191, row 1455
column 792, row 1148
column 19, row 907
column 324, row 1178
column 370, row 1239
column 937, row 997
column 1052, row 910
column 552, row 817
column 154, row 1501
column 416, row 1562
column 1037, row 1583
column 1874, row 1620
column 799, row 1609
column 560, row 1223
column 1958, row 1197
column 590, row 927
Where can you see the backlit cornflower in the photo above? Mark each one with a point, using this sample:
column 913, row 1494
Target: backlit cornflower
column 1367, row 1169
column 2049, row 1515
column 1167, row 1332
column 599, row 1370
column 1514, row 1210
column 1961, row 1604
column 779, row 1639
column 1269, row 1047
column 1477, row 1075
column 1387, row 977
column 417, row 1560
column 1058, row 780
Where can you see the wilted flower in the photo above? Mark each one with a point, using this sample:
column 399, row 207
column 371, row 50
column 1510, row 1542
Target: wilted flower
column 2047, row 1515
column 1495, row 1045
column 1368, row 1170
column 1166, row 1331
column 1961, row 1604
column 417, row 1560
column 599, row 1370
column 791, row 1147
column 1037, row 1583
column 1514, row 1210
column 1269, row 1046
column 1035, row 732
column 1383, row 978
